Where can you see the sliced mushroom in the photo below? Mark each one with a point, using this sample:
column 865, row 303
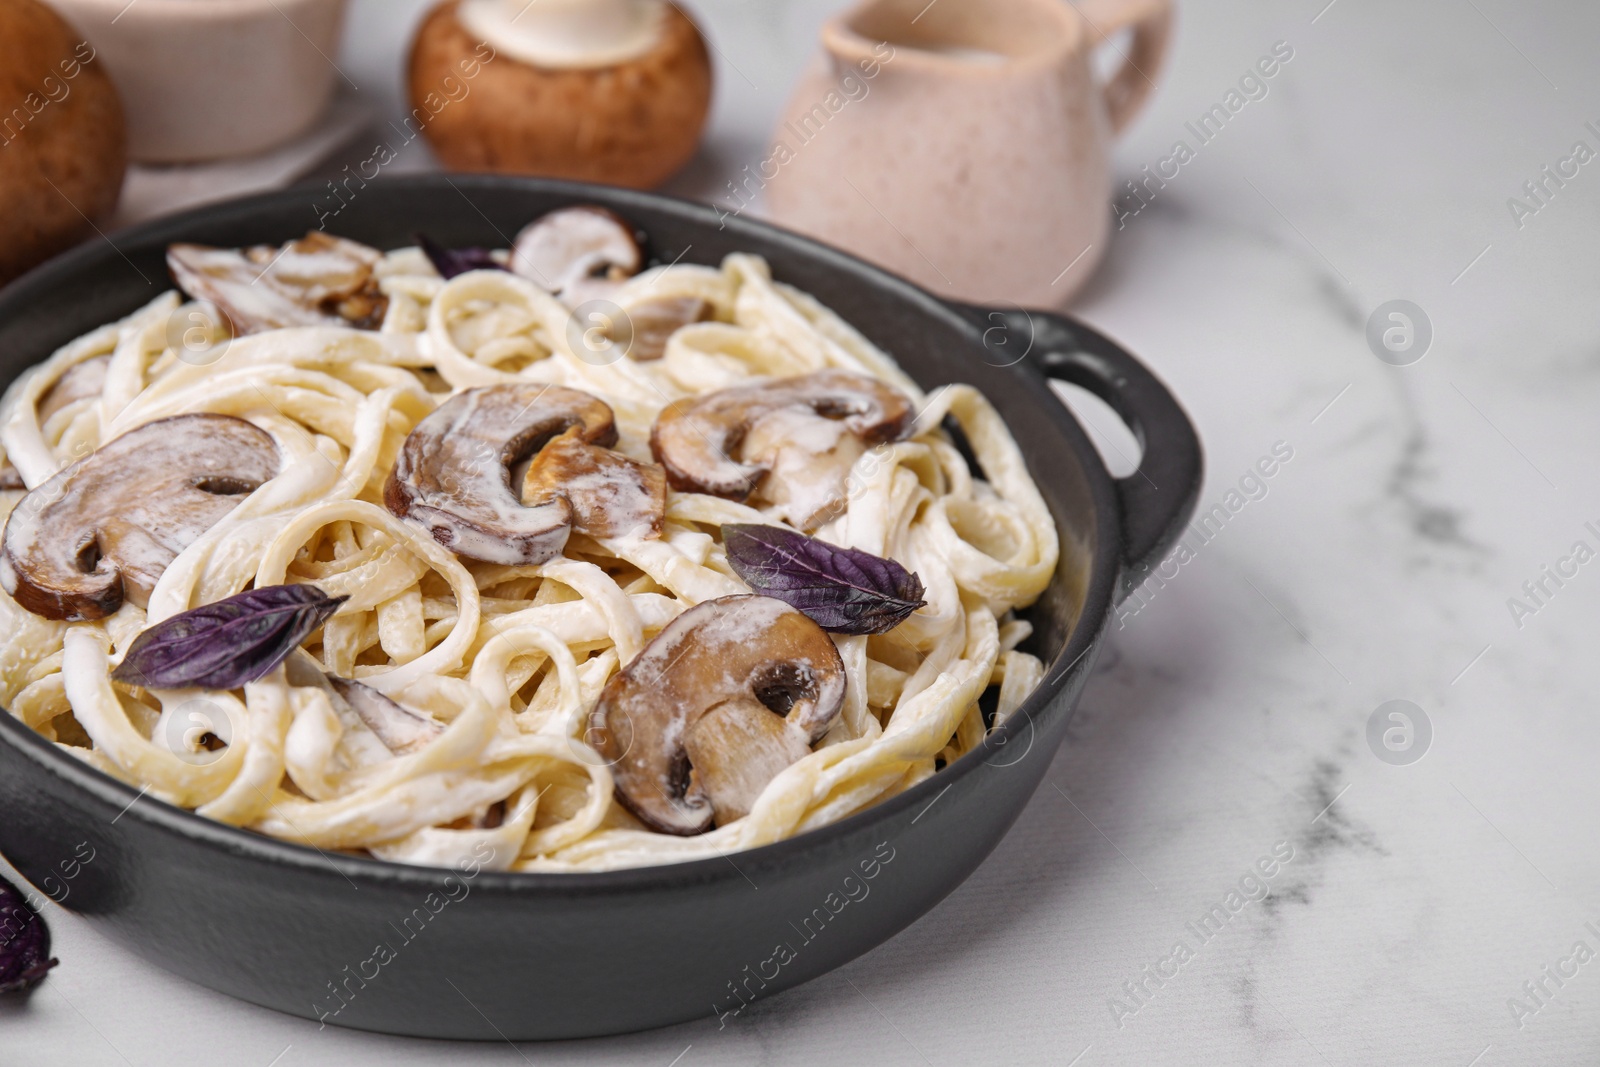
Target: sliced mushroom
column 578, row 253
column 738, row 747
column 652, row 324
column 401, row 730
column 318, row 280
column 724, row 698
column 610, row 495
column 585, row 253
column 106, row 527
column 789, row 441
column 453, row 475
column 77, row 382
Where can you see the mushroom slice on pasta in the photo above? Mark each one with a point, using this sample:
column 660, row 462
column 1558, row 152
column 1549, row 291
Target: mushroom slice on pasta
column 106, row 527
column 453, row 474
column 610, row 495
column 727, row 695
column 578, row 253
column 583, row 254
column 651, row 324
column 80, row 381
column 788, row 442
column 317, row 280
column 401, row 730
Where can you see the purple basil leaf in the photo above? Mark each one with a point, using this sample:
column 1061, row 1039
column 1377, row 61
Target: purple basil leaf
column 452, row 261
column 24, row 942
column 844, row 590
column 226, row 644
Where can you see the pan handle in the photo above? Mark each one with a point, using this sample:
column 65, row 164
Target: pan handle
column 1159, row 498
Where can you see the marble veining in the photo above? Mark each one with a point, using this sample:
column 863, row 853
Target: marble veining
column 1231, row 713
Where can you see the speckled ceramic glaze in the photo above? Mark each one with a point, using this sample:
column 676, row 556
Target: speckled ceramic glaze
column 963, row 143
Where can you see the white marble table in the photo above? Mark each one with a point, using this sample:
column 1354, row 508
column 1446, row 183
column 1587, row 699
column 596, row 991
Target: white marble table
column 1230, row 713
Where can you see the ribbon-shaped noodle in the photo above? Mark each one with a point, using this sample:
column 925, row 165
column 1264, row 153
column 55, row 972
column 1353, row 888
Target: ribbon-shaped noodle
column 507, row 662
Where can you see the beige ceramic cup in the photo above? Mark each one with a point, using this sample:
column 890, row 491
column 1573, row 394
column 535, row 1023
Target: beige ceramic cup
column 963, row 144
column 208, row 79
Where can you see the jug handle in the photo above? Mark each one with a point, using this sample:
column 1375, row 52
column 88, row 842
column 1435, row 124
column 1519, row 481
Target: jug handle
column 1151, row 22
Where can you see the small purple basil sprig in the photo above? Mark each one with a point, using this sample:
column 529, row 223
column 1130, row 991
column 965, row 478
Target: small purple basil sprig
column 450, row 262
column 843, row 590
column 24, row 942
column 226, row 644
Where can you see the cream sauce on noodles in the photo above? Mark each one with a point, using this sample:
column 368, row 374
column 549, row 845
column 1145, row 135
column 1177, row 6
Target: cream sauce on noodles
column 510, row 660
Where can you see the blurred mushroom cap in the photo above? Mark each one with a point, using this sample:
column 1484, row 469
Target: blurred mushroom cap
column 634, row 123
column 63, row 141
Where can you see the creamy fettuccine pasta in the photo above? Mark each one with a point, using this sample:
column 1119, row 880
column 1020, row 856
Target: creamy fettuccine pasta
column 485, row 674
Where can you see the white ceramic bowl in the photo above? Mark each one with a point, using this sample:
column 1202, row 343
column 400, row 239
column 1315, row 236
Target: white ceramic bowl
column 208, row 79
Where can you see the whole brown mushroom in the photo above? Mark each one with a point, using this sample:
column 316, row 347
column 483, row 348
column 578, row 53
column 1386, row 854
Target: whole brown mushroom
column 634, row 122
column 63, row 143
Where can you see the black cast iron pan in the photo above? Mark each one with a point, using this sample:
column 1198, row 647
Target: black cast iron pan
column 429, row 952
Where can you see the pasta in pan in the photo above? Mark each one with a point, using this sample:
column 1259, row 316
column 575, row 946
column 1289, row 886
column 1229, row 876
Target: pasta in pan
column 490, row 672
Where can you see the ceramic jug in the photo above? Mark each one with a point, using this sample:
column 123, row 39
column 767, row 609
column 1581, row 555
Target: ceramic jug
column 964, row 143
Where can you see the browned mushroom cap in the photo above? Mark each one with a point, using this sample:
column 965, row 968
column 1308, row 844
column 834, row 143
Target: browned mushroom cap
column 108, row 525
column 578, row 253
column 651, row 325
column 610, row 495
column 78, row 381
column 318, row 280
column 727, row 695
column 585, row 253
column 453, row 474
column 805, row 432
